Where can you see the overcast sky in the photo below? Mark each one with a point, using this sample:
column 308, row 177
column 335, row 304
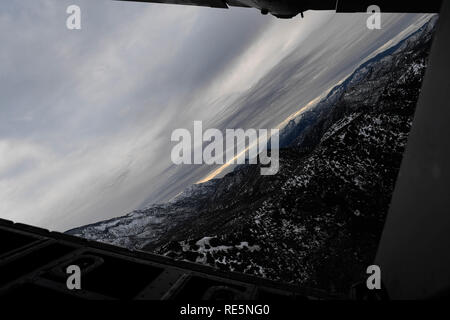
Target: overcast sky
column 86, row 115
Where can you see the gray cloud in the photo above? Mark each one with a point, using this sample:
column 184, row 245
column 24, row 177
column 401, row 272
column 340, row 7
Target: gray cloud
column 86, row 116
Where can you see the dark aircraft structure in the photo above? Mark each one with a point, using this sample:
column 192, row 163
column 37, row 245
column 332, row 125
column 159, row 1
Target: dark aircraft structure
column 33, row 264
column 286, row 9
column 413, row 253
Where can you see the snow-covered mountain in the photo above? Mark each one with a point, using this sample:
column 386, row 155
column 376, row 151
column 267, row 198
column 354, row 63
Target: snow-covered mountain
column 317, row 222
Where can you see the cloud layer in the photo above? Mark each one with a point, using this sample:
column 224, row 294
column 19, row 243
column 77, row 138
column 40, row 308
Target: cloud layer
column 86, row 116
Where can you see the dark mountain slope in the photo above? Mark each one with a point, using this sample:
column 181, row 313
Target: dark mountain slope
column 317, row 222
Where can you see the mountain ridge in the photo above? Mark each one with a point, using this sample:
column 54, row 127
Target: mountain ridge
column 317, row 222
